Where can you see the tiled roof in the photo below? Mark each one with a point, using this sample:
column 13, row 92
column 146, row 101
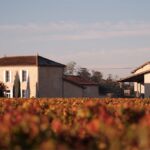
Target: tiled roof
column 140, row 67
column 28, row 61
column 79, row 80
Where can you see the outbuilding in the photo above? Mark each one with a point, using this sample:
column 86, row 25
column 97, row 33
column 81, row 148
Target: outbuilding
column 141, row 79
column 76, row 86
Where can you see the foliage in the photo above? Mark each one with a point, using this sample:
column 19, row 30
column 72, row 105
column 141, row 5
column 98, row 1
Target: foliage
column 82, row 124
column 16, row 86
column 84, row 73
column 96, row 76
column 2, row 89
column 70, row 68
column 109, row 85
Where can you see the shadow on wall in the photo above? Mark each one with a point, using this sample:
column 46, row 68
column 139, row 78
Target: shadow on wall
column 37, row 90
column 28, row 90
column 147, row 90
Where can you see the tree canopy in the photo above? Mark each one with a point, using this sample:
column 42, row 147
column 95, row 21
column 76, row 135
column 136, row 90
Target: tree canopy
column 108, row 85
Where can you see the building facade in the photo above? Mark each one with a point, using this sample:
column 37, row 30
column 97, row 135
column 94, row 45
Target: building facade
column 75, row 86
column 37, row 76
column 141, row 78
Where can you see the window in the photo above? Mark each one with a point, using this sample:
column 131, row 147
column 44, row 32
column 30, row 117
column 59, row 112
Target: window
column 24, row 75
column 23, row 93
column 7, row 76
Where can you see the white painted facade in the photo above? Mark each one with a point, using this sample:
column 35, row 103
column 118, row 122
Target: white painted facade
column 139, row 87
column 39, row 77
column 41, row 81
column 31, row 79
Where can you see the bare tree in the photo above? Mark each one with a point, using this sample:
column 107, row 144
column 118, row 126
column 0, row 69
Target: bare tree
column 70, row 68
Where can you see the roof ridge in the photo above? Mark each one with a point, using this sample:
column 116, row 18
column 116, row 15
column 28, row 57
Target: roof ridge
column 28, row 60
column 141, row 66
column 19, row 56
column 80, row 80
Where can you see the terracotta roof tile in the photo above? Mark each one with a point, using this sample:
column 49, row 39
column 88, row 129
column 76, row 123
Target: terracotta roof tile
column 79, row 80
column 28, row 61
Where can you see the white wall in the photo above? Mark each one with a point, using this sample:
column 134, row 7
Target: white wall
column 33, row 77
column 139, row 88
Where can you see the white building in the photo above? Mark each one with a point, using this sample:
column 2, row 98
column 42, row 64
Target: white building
column 41, row 77
column 141, row 78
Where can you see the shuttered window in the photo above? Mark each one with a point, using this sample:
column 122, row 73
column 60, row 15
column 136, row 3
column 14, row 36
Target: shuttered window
column 24, row 75
column 7, row 76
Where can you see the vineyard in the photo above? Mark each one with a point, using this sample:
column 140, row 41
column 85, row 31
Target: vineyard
column 74, row 124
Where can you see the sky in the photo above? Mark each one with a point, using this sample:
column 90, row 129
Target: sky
column 111, row 36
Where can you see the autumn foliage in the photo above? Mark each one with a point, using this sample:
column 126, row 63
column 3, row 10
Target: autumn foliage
column 70, row 124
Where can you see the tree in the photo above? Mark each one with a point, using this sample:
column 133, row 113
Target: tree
column 109, row 85
column 110, row 78
column 84, row 73
column 70, row 68
column 2, row 89
column 97, row 76
column 16, row 86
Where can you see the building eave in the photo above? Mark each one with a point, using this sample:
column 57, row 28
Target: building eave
column 135, row 78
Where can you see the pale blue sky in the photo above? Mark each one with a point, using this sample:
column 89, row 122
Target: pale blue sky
column 94, row 33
